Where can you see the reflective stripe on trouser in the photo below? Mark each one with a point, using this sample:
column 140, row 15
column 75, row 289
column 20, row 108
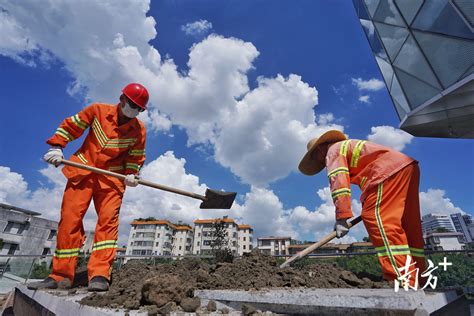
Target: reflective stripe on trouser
column 391, row 215
column 76, row 200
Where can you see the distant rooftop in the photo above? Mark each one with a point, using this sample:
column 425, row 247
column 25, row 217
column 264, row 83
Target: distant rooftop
column 18, row 209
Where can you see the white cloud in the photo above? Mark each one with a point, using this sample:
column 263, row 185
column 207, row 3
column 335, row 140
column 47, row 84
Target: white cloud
column 212, row 101
column 434, row 201
column 389, row 136
column 368, row 85
column 266, row 136
column 364, row 99
column 369, row 26
column 197, row 28
column 320, row 222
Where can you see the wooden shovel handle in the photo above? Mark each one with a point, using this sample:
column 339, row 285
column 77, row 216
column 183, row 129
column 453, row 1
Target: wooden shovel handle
column 320, row 243
column 142, row 182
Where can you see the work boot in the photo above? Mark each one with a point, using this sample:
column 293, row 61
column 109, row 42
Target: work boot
column 48, row 283
column 98, row 284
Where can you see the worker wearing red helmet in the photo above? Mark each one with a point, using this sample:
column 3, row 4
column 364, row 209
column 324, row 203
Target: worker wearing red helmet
column 116, row 142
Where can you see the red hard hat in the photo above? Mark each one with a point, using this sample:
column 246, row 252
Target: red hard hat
column 137, row 93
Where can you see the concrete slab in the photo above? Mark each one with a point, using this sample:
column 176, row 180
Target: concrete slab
column 60, row 302
column 334, row 301
column 281, row 301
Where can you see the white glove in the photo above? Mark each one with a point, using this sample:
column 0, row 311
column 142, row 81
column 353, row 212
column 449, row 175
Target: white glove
column 341, row 228
column 131, row 180
column 54, row 155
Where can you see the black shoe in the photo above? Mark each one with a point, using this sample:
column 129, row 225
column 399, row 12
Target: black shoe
column 48, row 283
column 98, row 284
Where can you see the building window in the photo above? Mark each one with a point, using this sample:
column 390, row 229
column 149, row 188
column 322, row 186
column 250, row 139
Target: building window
column 179, row 247
column 199, row 234
column 245, row 238
column 15, row 228
column 52, row 234
column 244, row 247
column 198, row 243
column 235, row 235
column 13, row 248
column 158, row 236
column 157, row 244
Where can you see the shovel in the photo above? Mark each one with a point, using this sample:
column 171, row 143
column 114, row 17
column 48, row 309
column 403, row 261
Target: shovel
column 351, row 222
column 213, row 199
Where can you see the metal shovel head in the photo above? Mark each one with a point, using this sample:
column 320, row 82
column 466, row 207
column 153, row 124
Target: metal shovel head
column 218, row 199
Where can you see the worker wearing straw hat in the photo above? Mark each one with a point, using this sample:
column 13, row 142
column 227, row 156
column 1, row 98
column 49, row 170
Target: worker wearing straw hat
column 389, row 182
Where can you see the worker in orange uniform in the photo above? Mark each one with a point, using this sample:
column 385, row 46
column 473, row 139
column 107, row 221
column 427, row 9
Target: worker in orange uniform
column 389, row 182
column 116, row 142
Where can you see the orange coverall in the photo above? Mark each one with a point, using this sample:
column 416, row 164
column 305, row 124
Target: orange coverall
column 107, row 146
column 389, row 182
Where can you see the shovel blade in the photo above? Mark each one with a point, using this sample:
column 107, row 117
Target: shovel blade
column 218, row 199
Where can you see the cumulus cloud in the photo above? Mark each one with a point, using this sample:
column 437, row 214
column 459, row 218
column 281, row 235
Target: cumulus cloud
column 197, row 28
column 364, row 99
column 390, row 136
column 320, row 221
column 434, row 201
column 368, row 85
column 258, row 134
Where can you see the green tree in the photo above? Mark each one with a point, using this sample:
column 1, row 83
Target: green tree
column 366, row 239
column 220, row 243
column 441, row 230
column 146, row 219
column 40, row 271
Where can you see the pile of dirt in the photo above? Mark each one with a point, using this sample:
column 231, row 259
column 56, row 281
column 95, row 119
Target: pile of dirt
column 164, row 287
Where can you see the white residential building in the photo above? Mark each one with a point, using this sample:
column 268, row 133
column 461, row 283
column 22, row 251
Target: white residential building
column 461, row 224
column 240, row 237
column 150, row 238
column 161, row 237
column 182, row 240
column 23, row 232
column 274, row 245
column 444, row 241
column 245, row 235
column 432, row 221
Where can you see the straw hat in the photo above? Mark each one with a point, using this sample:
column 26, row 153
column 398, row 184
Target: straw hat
column 310, row 166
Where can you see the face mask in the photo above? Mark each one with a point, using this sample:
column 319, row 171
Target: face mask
column 128, row 111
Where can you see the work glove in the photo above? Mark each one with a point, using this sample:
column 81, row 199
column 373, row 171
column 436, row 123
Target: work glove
column 341, row 227
column 131, row 180
column 54, row 156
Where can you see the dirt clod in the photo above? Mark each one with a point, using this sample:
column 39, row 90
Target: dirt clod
column 190, row 304
column 211, row 306
column 248, row 309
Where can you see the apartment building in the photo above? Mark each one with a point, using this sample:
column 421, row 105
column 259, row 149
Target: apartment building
column 274, row 245
column 431, row 222
column 245, row 242
column 182, row 240
column 462, row 223
column 23, row 232
column 444, row 241
column 240, row 237
column 150, row 238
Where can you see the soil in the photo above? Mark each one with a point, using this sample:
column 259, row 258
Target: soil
column 167, row 287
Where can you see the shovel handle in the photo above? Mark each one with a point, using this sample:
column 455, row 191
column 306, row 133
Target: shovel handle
column 320, row 243
column 142, row 182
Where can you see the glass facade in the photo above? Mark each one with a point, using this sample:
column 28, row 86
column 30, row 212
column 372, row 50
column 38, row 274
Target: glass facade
column 425, row 52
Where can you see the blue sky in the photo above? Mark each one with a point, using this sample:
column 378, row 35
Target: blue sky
column 237, row 89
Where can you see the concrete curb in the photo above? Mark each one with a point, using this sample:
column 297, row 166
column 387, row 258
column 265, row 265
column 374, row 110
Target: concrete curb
column 334, row 301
